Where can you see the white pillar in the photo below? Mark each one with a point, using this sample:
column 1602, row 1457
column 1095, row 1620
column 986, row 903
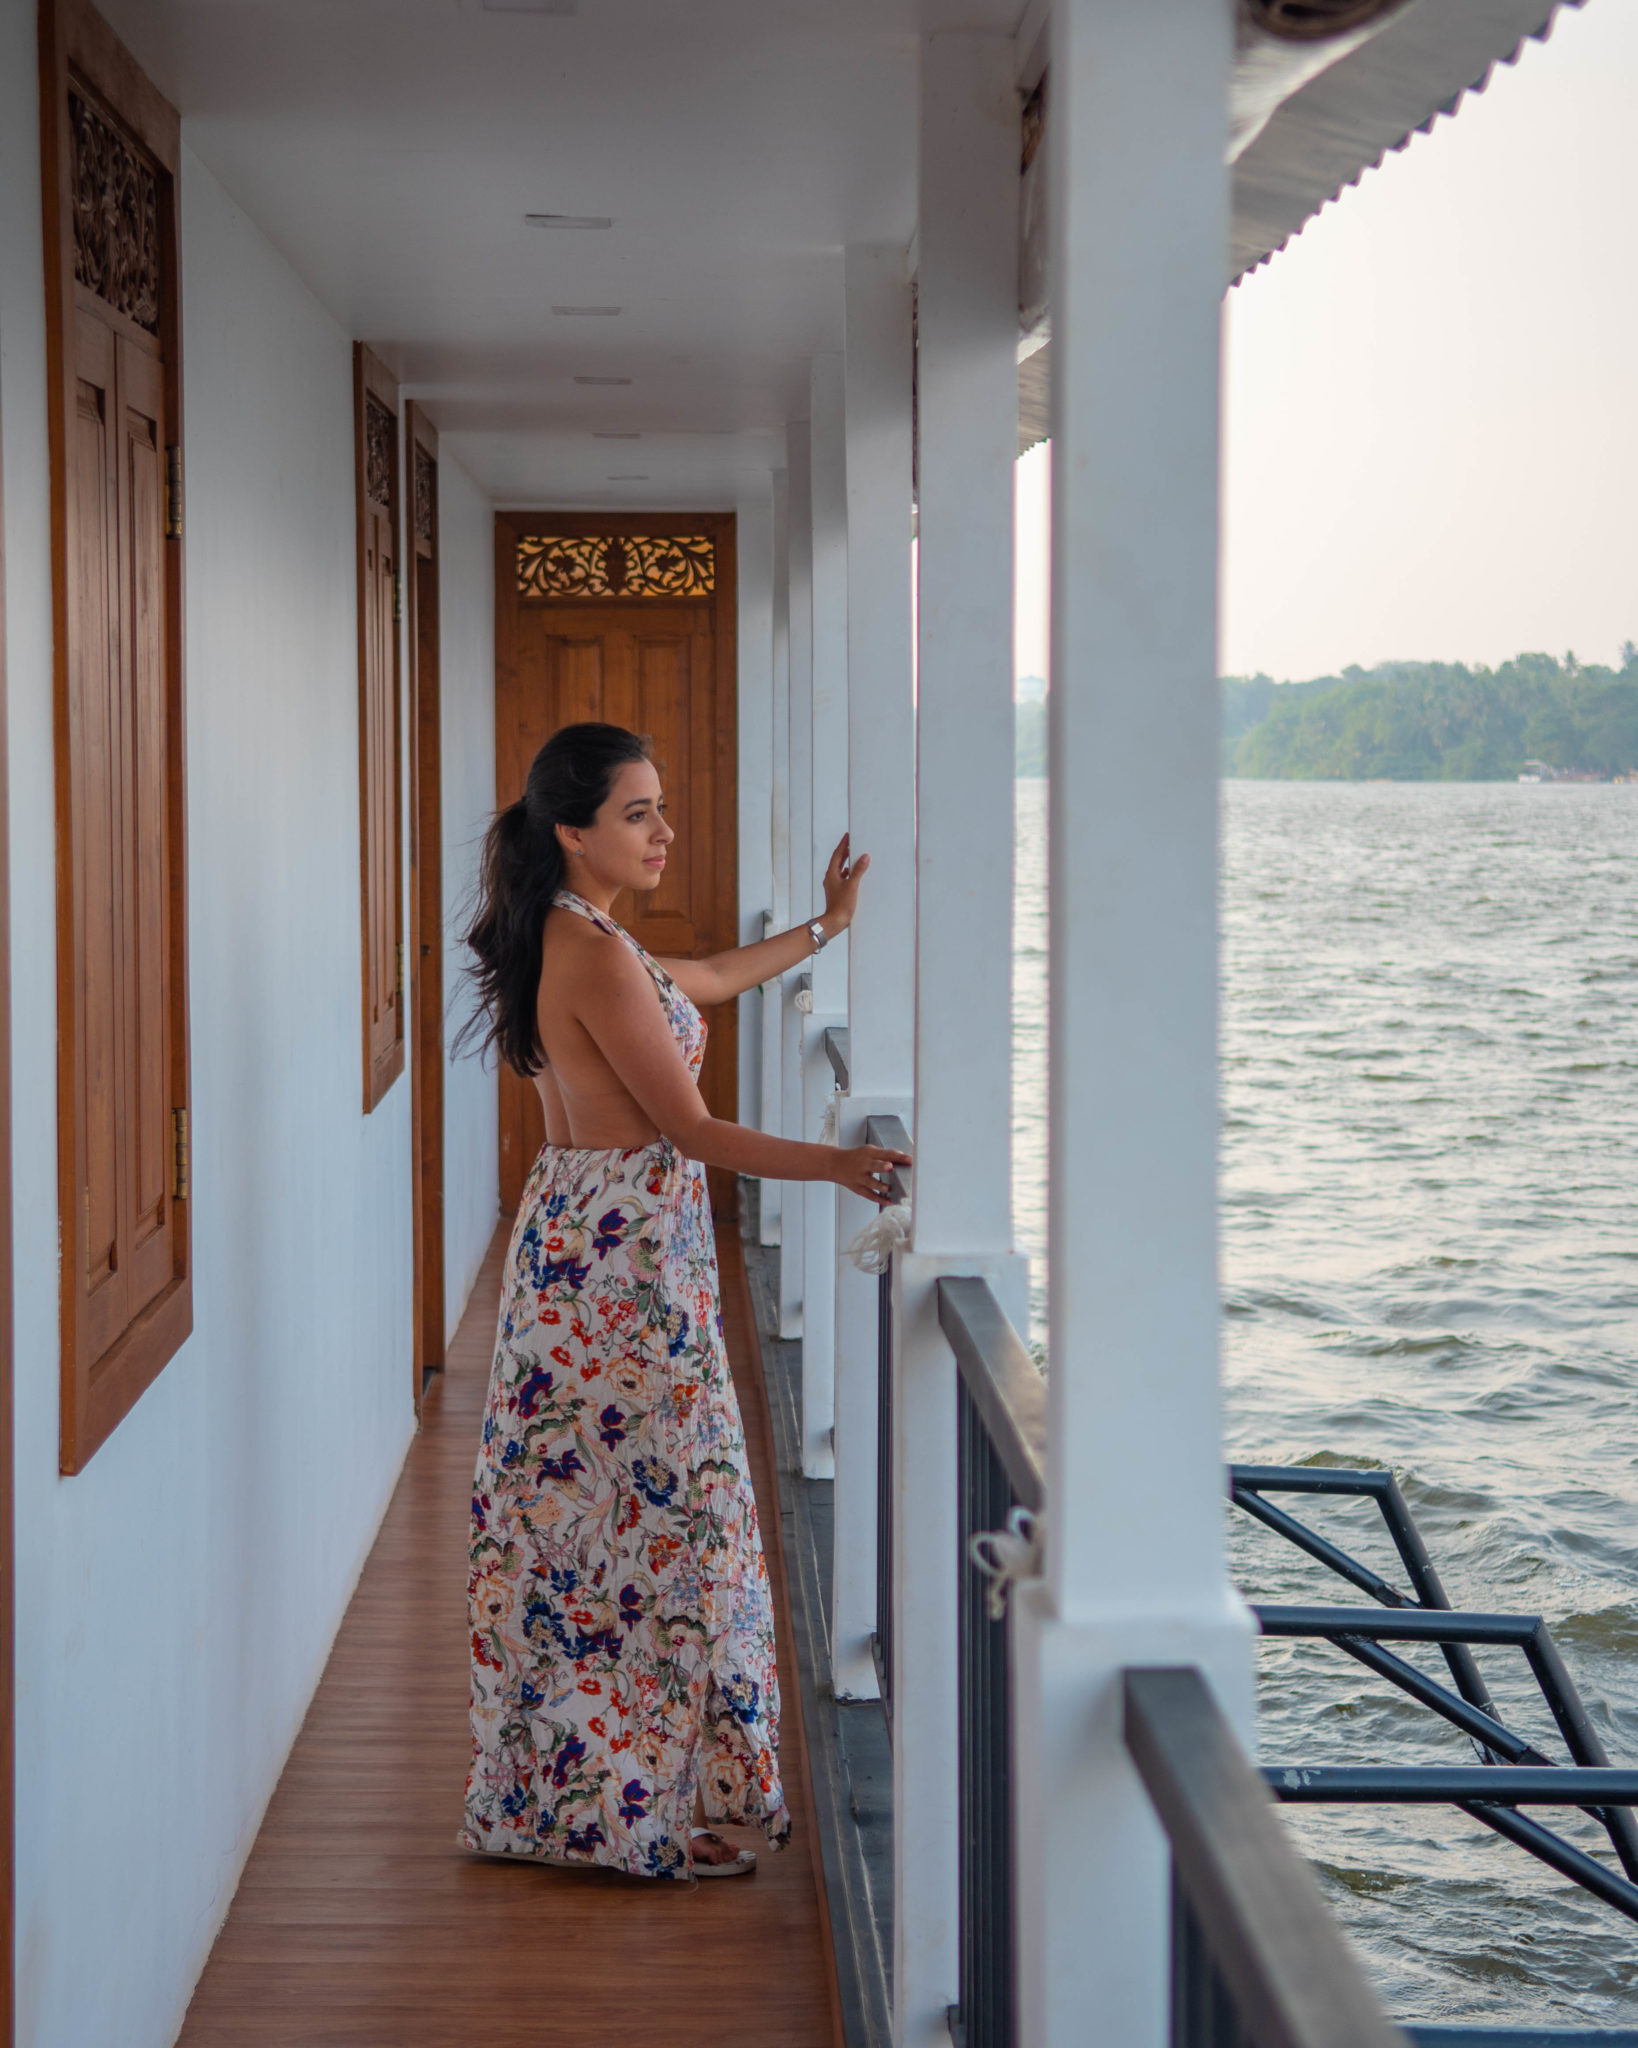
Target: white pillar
column 754, row 643
column 779, row 834
column 968, row 395
column 827, row 821
column 881, row 774
column 799, row 556
column 1135, row 1545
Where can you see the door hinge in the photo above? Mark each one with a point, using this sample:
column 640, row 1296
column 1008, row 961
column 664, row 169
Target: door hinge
column 400, row 983
column 397, row 596
column 173, row 492
column 179, row 1164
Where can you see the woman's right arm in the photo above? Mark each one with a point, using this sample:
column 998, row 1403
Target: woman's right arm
column 615, row 1001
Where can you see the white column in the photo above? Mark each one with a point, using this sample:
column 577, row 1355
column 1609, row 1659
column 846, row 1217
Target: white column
column 827, row 821
column 799, row 555
column 968, row 394
column 779, row 834
column 1135, row 1546
column 881, row 776
column 754, row 641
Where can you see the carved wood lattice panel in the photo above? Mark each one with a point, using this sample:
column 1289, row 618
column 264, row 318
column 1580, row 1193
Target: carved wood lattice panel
column 426, row 496
column 116, row 215
column 617, row 565
column 378, row 440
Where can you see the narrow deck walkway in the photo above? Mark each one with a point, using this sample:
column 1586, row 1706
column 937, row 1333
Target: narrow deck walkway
column 359, row 1920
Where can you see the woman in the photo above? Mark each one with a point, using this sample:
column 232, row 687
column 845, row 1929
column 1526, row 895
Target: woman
column 623, row 1673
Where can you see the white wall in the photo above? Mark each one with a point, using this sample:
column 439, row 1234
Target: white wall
column 466, row 597
column 176, row 1600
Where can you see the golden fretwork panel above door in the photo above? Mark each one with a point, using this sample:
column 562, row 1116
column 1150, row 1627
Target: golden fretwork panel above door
column 616, row 565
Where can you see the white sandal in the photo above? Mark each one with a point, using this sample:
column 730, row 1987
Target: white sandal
column 742, row 1866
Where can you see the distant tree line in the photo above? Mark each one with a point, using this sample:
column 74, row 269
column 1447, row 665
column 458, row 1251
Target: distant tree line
column 1431, row 721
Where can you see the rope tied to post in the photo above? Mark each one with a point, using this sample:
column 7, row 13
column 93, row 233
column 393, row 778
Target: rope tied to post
column 887, row 1232
column 1009, row 1556
column 828, row 1133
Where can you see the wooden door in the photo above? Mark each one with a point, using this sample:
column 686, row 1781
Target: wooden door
column 630, row 620
column 426, row 895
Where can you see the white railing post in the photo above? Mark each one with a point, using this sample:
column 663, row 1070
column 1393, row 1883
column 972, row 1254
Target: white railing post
column 779, row 835
column 799, row 557
column 881, row 777
column 827, row 822
column 1135, row 1566
column 968, row 397
column 754, row 604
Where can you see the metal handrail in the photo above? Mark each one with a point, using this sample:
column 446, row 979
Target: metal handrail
column 1008, row 1391
column 837, row 1042
column 890, row 1132
column 1253, row 1928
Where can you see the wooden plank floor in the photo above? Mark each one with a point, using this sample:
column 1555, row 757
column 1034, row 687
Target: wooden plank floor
column 359, row 1919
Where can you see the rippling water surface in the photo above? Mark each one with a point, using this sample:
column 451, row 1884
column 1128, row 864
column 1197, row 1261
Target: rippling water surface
column 1430, row 1254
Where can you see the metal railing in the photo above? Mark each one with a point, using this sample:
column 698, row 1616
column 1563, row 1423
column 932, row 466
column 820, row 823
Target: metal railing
column 888, row 1131
column 1257, row 1959
column 1000, row 1438
column 1512, row 1771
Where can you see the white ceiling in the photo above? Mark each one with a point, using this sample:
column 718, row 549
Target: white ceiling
column 391, row 148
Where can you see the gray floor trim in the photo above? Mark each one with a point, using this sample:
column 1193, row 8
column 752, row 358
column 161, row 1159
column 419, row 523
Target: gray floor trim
column 848, row 1753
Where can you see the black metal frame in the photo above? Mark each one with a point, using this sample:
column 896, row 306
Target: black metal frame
column 1000, row 1439
column 1512, row 1771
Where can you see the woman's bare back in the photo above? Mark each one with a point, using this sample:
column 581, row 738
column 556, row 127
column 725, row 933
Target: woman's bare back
column 586, row 1103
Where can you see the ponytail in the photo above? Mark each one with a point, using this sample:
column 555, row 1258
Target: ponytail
column 521, row 870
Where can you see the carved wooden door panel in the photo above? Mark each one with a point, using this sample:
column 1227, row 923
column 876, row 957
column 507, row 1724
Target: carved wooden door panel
column 649, row 647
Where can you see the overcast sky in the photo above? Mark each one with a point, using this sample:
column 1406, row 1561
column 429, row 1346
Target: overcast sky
column 1431, row 396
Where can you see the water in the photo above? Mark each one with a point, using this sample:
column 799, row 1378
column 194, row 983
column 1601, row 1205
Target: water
column 1430, row 1253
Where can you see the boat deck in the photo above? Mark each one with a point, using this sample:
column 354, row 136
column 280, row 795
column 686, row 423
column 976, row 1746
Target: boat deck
column 360, row 1920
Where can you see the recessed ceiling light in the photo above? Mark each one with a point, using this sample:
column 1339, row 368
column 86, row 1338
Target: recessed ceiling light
column 628, row 479
column 596, row 436
column 602, row 380
column 568, row 220
column 588, row 312
column 531, row 6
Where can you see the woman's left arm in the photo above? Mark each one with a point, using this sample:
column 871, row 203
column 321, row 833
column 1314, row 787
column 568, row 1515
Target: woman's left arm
column 721, row 976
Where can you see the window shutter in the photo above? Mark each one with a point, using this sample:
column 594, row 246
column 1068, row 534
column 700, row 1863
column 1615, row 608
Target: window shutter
column 110, row 156
column 380, row 790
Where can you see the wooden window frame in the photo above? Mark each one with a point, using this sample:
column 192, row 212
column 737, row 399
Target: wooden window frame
column 8, row 1686
column 379, row 822
column 426, row 952
column 98, row 1392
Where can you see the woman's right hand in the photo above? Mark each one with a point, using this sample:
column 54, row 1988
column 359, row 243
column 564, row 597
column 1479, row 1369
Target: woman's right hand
column 867, row 1170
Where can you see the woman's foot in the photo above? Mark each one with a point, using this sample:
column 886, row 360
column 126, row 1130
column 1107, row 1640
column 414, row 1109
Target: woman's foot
column 711, row 1856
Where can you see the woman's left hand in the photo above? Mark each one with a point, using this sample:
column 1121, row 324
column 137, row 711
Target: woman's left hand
column 842, row 879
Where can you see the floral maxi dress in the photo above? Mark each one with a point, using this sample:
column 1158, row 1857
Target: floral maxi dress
column 622, row 1627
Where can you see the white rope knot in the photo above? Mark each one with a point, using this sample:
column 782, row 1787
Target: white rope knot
column 1007, row 1557
column 887, row 1232
column 828, row 1134
column 804, row 1001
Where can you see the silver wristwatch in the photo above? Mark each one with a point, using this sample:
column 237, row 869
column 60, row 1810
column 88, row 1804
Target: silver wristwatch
column 818, row 934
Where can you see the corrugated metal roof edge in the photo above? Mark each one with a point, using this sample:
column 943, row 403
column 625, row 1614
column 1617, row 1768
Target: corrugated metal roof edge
column 1423, row 127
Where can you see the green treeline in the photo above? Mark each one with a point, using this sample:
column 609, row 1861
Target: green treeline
column 1429, row 721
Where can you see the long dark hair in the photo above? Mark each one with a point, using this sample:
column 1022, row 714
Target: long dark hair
column 521, row 871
